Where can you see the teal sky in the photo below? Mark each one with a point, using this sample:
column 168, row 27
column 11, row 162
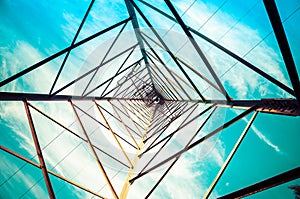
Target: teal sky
column 33, row 30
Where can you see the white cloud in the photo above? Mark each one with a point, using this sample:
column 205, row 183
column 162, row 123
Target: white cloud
column 182, row 173
column 239, row 40
column 13, row 113
column 183, row 170
column 262, row 136
column 21, row 56
column 265, row 139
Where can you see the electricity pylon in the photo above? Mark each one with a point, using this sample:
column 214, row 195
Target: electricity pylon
column 146, row 103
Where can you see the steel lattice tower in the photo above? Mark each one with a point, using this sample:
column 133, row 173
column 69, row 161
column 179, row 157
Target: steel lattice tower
column 148, row 106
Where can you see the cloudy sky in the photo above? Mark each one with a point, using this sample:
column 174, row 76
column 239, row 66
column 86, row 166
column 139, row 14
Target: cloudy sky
column 33, row 30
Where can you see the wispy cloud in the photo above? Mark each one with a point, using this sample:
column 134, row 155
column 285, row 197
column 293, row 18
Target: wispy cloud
column 243, row 82
column 265, row 139
column 239, row 40
column 14, row 117
column 262, row 136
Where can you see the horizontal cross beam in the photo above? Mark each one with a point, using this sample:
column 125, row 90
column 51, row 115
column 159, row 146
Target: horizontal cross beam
column 283, row 106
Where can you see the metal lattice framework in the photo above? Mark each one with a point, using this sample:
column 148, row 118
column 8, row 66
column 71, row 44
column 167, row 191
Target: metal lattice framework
column 145, row 103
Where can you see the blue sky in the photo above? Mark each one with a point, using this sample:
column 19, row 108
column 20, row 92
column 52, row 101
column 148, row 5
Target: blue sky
column 31, row 31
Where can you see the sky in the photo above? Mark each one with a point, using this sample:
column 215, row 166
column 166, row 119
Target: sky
column 31, row 31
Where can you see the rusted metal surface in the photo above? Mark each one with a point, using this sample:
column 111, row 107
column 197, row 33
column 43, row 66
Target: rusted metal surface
column 39, row 153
